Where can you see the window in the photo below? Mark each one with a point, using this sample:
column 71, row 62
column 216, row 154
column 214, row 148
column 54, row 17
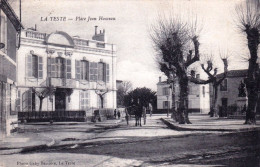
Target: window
column 3, row 31
column 28, row 101
column 166, row 91
column 84, row 70
column 34, row 66
column 93, row 71
column 101, row 72
column 59, row 67
column 223, row 85
column 84, row 100
column 166, row 104
column 107, row 72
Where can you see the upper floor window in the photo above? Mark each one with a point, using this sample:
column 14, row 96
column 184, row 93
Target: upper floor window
column 59, row 67
column 3, row 31
column 34, row 66
column 166, row 104
column 99, row 72
column 82, row 70
column 223, row 85
column 166, row 91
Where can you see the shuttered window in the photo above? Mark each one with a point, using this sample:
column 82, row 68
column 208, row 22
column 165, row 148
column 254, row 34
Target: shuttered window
column 107, row 72
column 17, row 102
column 68, row 69
column 84, row 100
column 27, row 100
column 34, row 66
column 101, row 70
column 84, row 66
column 93, row 71
column 77, row 69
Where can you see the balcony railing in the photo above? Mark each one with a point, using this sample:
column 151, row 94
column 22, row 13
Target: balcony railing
column 62, row 82
column 36, row 35
column 81, row 42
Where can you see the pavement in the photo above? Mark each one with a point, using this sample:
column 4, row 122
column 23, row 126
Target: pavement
column 40, row 135
column 44, row 134
column 202, row 122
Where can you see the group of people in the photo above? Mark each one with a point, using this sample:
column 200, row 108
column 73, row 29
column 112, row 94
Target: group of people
column 138, row 111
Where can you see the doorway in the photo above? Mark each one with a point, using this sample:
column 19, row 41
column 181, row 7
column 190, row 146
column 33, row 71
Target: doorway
column 60, row 100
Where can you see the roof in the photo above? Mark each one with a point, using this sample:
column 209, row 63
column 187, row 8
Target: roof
column 4, row 5
column 235, row 73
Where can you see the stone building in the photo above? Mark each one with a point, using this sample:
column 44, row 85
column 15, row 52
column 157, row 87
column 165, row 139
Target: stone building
column 76, row 70
column 10, row 26
column 198, row 97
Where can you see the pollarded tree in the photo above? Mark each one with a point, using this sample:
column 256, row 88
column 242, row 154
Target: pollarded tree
column 248, row 15
column 172, row 38
column 213, row 79
column 42, row 93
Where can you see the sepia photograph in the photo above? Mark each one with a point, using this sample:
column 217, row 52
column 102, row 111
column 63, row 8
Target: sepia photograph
column 129, row 83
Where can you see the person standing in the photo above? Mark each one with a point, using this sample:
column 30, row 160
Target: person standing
column 126, row 116
column 115, row 113
column 118, row 114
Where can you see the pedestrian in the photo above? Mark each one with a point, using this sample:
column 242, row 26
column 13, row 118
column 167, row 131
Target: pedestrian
column 118, row 114
column 150, row 109
column 126, row 116
column 144, row 114
column 115, row 113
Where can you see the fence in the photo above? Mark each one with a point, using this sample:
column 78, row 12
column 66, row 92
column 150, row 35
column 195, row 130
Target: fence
column 36, row 116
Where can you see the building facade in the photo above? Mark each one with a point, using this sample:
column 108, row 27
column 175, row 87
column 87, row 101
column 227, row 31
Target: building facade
column 198, row 98
column 73, row 70
column 9, row 28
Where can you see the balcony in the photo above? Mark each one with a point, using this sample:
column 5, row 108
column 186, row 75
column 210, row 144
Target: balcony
column 35, row 34
column 63, row 82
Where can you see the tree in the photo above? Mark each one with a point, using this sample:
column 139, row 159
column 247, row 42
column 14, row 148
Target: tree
column 122, row 91
column 248, row 15
column 213, row 79
column 172, row 38
column 140, row 96
column 101, row 93
column 42, row 93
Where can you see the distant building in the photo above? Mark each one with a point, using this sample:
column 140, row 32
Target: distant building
column 77, row 68
column 9, row 28
column 198, row 97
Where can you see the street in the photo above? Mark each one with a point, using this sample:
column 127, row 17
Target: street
column 153, row 144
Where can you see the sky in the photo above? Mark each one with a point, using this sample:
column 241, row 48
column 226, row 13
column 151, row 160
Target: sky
column 131, row 29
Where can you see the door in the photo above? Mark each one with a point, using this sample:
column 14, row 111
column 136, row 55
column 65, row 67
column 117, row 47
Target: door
column 224, row 107
column 60, row 100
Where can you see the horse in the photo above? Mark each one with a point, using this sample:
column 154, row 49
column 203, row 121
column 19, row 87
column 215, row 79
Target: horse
column 138, row 115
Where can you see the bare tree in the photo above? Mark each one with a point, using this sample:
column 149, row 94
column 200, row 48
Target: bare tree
column 213, row 79
column 248, row 15
column 42, row 93
column 122, row 90
column 101, row 93
column 172, row 38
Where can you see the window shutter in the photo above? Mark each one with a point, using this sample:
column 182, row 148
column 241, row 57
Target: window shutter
column 68, row 69
column 107, row 73
column 40, row 67
column 27, row 101
column 49, row 67
column 29, row 65
column 77, row 65
column 87, row 71
column 53, row 68
column 93, row 71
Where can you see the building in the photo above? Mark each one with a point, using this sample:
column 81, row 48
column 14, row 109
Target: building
column 198, row 97
column 10, row 26
column 78, row 71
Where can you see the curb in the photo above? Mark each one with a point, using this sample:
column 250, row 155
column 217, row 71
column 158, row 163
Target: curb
column 178, row 128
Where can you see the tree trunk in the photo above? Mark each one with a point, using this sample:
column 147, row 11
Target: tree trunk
column 174, row 113
column 101, row 101
column 40, row 107
column 215, row 113
column 251, row 81
column 183, row 106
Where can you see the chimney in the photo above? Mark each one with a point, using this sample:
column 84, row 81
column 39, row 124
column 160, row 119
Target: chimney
column 160, row 79
column 96, row 30
column 198, row 76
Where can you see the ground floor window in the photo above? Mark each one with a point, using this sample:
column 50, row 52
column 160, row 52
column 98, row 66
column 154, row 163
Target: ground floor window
column 84, row 100
column 28, row 101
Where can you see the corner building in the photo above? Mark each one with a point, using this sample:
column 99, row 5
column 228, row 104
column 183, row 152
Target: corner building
column 77, row 69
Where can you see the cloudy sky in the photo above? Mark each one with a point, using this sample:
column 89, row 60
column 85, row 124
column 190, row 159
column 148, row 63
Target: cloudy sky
column 131, row 28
